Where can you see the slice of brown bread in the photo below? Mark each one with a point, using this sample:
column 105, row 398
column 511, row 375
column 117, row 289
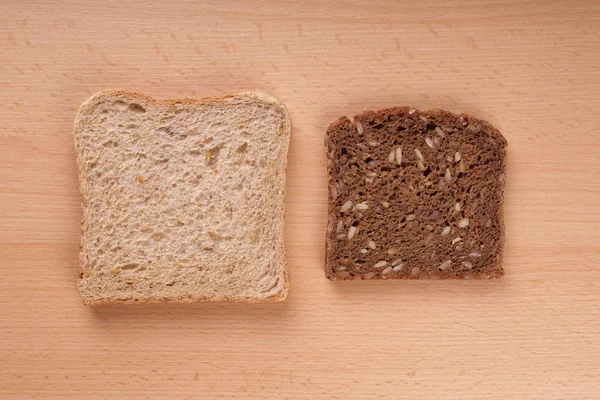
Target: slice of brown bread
column 414, row 195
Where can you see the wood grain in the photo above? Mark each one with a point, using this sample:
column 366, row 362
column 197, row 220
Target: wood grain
column 530, row 68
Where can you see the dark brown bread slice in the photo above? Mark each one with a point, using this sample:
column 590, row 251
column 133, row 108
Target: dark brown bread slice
column 414, row 195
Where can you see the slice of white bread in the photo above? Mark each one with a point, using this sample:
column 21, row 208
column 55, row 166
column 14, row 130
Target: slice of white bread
column 182, row 199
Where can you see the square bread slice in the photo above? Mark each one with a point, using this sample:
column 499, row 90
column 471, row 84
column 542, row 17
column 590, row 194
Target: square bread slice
column 414, row 195
column 182, row 199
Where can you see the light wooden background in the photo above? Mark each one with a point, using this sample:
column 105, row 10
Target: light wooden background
column 531, row 68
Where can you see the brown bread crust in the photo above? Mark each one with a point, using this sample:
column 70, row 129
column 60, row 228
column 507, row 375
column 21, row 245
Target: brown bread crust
column 435, row 215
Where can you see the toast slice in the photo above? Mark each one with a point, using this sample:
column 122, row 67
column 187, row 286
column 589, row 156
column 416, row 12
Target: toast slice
column 182, row 199
column 414, row 195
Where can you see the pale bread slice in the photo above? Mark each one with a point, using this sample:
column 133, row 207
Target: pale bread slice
column 182, row 199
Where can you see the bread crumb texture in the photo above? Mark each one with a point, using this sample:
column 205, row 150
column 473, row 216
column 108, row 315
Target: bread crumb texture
column 182, row 199
column 414, row 195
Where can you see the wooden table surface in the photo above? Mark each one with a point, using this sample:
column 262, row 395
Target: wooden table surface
column 531, row 68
